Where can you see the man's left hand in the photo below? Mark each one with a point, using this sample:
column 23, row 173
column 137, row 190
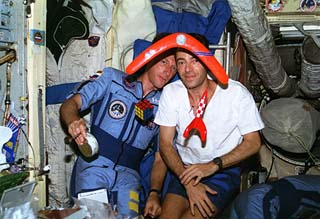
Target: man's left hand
column 196, row 172
column 153, row 207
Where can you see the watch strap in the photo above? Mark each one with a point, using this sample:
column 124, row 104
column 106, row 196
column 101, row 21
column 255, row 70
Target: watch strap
column 218, row 162
column 156, row 191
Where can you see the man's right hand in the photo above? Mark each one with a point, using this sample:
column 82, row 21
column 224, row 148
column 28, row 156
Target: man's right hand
column 78, row 131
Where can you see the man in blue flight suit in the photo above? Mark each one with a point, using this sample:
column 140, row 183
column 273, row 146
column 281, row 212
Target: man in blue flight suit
column 123, row 139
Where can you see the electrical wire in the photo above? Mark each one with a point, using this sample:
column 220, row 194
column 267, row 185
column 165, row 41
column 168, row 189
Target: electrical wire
column 270, row 168
column 32, row 149
column 128, row 49
column 236, row 44
column 8, row 90
column 314, row 159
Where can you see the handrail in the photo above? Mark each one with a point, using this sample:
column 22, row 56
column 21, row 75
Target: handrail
column 226, row 47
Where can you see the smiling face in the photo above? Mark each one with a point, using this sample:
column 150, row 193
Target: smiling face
column 191, row 71
column 160, row 72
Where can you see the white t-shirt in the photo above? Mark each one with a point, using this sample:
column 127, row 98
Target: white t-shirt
column 229, row 115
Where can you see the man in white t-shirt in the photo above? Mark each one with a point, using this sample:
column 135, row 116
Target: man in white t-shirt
column 205, row 162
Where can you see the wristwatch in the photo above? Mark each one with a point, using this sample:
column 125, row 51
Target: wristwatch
column 218, row 162
column 156, row 191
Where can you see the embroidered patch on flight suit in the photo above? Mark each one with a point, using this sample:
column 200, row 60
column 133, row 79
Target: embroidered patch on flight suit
column 117, row 109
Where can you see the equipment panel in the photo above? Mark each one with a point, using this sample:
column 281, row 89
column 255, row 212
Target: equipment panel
column 6, row 24
column 282, row 11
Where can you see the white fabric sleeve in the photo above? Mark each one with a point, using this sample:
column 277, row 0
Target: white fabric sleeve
column 249, row 116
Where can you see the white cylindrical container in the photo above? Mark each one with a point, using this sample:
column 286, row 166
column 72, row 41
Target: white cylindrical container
column 91, row 147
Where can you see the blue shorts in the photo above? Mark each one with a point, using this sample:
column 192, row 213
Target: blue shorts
column 226, row 183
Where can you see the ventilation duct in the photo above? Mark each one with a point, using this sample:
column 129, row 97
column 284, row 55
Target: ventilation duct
column 310, row 68
column 256, row 34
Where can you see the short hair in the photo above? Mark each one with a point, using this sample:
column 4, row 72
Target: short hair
column 201, row 38
column 159, row 36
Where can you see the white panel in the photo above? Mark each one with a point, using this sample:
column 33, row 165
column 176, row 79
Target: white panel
column 36, row 54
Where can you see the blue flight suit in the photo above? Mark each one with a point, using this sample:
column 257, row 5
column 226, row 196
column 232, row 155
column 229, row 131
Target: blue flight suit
column 123, row 140
column 290, row 197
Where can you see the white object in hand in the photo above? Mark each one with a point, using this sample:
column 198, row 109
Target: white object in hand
column 91, row 147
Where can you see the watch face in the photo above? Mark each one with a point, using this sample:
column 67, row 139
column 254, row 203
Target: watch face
column 218, row 161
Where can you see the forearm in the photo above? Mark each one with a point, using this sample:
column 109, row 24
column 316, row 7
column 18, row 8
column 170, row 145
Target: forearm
column 167, row 150
column 69, row 111
column 250, row 145
column 70, row 117
column 158, row 172
column 172, row 159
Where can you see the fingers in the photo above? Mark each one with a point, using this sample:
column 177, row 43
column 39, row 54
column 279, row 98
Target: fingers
column 208, row 201
column 203, row 210
column 78, row 131
column 211, row 191
column 153, row 212
column 186, row 180
column 206, row 209
column 189, row 174
column 192, row 208
column 197, row 180
column 152, row 209
column 198, row 197
column 80, row 137
column 147, row 210
column 210, row 206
